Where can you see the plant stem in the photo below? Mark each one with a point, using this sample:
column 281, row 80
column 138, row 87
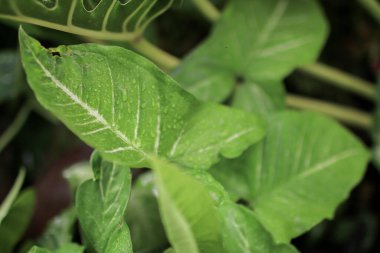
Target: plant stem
column 12, row 195
column 15, row 127
column 373, row 7
column 208, row 10
column 347, row 115
column 340, row 79
column 161, row 57
column 151, row 51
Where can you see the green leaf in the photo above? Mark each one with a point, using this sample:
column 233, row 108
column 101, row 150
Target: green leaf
column 298, row 175
column 271, row 96
column 129, row 110
column 244, row 233
column 67, row 248
column 59, row 230
column 10, row 75
column 115, row 20
column 143, row 217
column 255, row 43
column 101, row 204
column 15, row 223
column 188, row 212
column 77, row 174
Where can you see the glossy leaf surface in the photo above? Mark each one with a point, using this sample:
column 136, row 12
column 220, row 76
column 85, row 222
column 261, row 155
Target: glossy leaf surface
column 125, row 107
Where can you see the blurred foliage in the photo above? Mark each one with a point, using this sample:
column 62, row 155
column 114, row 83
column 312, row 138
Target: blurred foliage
column 46, row 148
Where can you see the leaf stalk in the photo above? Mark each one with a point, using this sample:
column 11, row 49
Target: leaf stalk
column 208, row 10
column 347, row 115
column 340, row 79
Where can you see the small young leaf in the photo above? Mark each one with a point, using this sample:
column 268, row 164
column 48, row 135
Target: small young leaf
column 101, row 204
column 188, row 212
column 14, row 224
column 255, row 43
column 298, row 175
column 124, row 106
column 143, row 217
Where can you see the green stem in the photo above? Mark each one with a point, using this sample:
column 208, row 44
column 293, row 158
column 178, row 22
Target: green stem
column 340, row 79
column 15, row 127
column 12, row 195
column 161, row 57
column 373, row 7
column 208, row 10
column 146, row 48
column 347, row 115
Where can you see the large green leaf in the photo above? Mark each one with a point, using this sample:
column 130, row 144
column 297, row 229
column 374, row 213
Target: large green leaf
column 241, row 230
column 101, row 204
column 124, row 106
column 188, row 212
column 116, row 19
column 143, row 217
column 303, row 170
column 15, row 223
column 243, row 233
column 255, row 43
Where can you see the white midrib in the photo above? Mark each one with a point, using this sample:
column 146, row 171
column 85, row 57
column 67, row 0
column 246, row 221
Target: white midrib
column 91, row 111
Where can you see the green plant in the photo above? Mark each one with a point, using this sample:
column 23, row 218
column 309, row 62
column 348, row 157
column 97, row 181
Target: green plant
column 290, row 169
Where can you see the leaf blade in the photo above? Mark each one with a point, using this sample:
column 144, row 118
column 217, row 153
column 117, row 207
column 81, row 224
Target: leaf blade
column 290, row 179
column 130, row 117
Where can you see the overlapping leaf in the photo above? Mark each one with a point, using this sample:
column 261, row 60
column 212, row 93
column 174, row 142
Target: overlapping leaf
column 101, row 204
column 244, row 233
column 143, row 217
column 115, row 19
column 255, row 43
column 124, row 106
column 188, row 212
column 298, row 175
